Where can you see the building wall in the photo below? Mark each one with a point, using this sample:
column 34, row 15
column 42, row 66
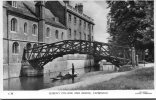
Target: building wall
column 20, row 35
column 52, row 38
column 12, row 62
column 78, row 28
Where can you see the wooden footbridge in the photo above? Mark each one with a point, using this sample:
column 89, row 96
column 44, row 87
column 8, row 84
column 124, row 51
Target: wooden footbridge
column 41, row 55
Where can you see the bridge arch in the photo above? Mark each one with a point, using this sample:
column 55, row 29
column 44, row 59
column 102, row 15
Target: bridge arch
column 41, row 55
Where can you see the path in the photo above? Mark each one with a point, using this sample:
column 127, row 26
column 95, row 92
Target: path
column 88, row 80
column 94, row 77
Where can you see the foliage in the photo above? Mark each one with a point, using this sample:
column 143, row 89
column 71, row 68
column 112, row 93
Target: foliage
column 131, row 23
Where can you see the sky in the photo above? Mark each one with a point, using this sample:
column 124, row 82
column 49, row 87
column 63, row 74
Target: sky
column 98, row 11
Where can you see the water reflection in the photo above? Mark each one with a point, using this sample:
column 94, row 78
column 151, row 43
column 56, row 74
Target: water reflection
column 42, row 82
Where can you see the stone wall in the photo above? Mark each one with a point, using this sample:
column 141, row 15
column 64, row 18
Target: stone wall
column 107, row 66
column 11, row 70
column 65, row 63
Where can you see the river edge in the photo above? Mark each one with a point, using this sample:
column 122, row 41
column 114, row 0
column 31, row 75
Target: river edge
column 98, row 77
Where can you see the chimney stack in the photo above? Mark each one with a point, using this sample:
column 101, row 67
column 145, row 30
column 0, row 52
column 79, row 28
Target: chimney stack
column 40, row 12
column 80, row 7
column 39, row 7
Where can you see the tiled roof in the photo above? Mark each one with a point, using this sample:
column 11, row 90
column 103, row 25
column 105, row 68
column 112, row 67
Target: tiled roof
column 50, row 21
column 22, row 9
column 28, row 8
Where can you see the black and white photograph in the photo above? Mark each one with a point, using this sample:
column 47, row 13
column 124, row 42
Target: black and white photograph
column 78, row 45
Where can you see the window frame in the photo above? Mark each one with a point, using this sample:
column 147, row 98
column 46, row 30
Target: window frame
column 88, row 37
column 14, row 25
column 84, row 25
column 15, row 49
column 80, row 35
column 75, row 35
column 84, row 36
column 70, row 35
column 80, row 22
column 62, row 36
column 57, row 34
column 14, row 4
column 29, row 45
column 75, row 20
column 26, row 28
column 48, row 32
column 34, row 30
column 70, row 18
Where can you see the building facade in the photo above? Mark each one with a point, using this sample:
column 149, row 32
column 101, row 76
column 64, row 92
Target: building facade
column 28, row 24
column 79, row 25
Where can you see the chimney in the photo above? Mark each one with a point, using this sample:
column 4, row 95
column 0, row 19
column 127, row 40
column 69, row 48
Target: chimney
column 40, row 12
column 76, row 7
column 80, row 7
column 40, row 9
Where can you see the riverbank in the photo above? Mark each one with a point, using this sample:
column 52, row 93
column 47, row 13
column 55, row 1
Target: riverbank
column 140, row 78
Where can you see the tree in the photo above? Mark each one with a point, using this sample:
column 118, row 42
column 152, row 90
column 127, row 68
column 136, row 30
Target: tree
column 131, row 23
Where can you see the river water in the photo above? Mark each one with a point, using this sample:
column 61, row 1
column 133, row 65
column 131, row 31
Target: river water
column 42, row 82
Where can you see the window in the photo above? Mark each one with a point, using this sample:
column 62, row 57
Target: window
column 15, row 48
column 48, row 32
column 28, row 46
column 84, row 24
column 75, row 20
column 14, row 25
column 56, row 19
column 88, row 26
column 25, row 27
column 34, row 29
column 88, row 37
column 75, row 34
column 53, row 18
column 84, row 36
column 80, row 35
column 80, row 22
column 14, row 4
column 69, row 18
column 62, row 35
column 69, row 33
column 35, row 45
column 56, row 34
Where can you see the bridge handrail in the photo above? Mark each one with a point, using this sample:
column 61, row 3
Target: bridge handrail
column 78, row 40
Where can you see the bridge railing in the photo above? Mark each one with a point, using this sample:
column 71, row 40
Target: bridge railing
column 41, row 55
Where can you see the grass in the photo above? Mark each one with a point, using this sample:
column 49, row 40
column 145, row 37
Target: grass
column 138, row 79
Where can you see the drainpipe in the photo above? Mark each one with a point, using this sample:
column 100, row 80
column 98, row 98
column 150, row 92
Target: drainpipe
column 8, row 43
column 8, row 49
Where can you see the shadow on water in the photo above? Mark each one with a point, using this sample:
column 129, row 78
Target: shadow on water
column 42, row 82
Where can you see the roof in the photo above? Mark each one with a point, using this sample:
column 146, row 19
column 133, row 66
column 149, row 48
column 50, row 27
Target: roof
column 27, row 8
column 54, row 23
column 22, row 8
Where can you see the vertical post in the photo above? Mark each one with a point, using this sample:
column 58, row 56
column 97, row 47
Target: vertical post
column 73, row 73
column 137, row 60
column 80, row 46
column 73, row 70
column 124, row 56
column 133, row 57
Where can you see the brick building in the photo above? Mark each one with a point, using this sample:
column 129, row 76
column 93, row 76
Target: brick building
column 27, row 24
